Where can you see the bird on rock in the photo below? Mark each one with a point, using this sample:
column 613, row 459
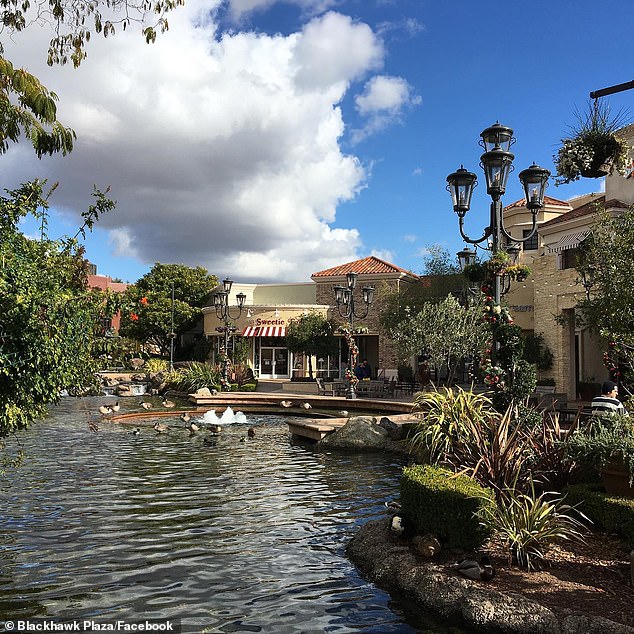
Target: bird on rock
column 480, row 571
column 104, row 410
column 166, row 403
column 146, row 405
column 116, row 407
column 185, row 417
column 307, row 406
column 402, row 526
column 160, row 428
column 286, row 404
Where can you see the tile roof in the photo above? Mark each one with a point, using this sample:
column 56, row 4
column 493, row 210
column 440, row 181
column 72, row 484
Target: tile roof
column 553, row 202
column 367, row 266
column 584, row 210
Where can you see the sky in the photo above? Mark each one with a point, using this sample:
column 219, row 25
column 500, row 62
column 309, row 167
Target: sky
column 267, row 140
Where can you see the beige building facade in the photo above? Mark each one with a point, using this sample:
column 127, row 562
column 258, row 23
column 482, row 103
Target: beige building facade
column 268, row 309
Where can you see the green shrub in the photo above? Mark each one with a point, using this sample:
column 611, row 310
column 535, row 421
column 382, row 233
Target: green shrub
column 610, row 514
column 194, row 377
column 527, row 523
column 155, row 365
column 245, row 387
column 446, row 505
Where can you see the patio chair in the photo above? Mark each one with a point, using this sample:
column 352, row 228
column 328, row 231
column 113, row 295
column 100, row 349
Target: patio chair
column 321, row 387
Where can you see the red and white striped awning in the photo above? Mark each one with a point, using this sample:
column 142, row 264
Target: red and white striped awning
column 264, row 331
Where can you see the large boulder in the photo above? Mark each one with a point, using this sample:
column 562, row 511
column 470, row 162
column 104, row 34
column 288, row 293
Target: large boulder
column 360, row 433
column 124, row 390
column 137, row 364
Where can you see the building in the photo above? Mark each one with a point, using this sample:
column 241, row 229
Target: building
column 546, row 303
column 104, row 282
column 268, row 309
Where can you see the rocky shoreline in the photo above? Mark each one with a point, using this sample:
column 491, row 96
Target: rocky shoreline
column 389, row 562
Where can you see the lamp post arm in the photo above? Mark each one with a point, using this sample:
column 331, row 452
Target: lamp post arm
column 595, row 94
column 230, row 316
column 466, row 238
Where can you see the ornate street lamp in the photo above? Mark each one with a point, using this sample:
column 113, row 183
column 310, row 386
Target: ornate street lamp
column 497, row 163
column 466, row 258
column 344, row 298
column 587, row 279
column 223, row 312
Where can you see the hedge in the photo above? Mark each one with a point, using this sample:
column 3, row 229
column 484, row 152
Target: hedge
column 444, row 504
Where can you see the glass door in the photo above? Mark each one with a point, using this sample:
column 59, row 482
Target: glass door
column 274, row 363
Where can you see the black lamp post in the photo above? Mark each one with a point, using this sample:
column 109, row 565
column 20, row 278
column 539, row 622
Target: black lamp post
column 587, row 279
column 223, row 312
column 344, row 298
column 497, row 163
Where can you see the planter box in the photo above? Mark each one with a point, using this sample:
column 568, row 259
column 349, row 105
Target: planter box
column 616, row 480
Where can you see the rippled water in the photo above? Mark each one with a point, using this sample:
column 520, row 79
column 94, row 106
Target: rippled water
column 245, row 536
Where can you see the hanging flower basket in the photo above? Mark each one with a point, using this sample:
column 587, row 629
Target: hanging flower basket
column 593, row 149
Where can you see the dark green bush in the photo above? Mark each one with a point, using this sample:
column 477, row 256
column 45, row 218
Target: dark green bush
column 610, row 514
column 445, row 504
column 245, row 387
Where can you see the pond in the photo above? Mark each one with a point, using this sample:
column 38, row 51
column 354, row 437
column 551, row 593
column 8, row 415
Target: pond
column 248, row 535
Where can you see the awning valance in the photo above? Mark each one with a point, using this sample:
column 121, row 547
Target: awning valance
column 571, row 241
column 264, row 331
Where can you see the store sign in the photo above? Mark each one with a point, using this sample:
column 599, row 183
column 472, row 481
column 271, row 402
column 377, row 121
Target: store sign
column 269, row 322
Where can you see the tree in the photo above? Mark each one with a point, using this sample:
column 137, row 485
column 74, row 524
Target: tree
column 445, row 331
column 610, row 309
column 148, row 303
column 49, row 319
column 311, row 334
column 439, row 261
column 26, row 106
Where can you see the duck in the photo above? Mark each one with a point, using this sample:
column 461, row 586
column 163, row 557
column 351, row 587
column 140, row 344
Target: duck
column 185, row 417
column 251, row 432
column 160, row 428
column 307, row 406
column 393, row 505
column 146, row 405
column 193, row 428
column 478, row 570
column 286, row 404
column 136, row 431
column 104, row 410
column 92, row 426
column 344, row 413
column 166, row 403
column 402, row 526
column 215, row 429
column 116, row 407
column 214, row 391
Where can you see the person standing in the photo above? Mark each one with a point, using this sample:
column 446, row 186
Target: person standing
column 608, row 402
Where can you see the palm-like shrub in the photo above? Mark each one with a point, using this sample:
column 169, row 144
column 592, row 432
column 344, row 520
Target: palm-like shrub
column 194, row 377
column 527, row 523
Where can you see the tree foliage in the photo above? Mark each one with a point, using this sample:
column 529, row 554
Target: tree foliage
column 438, row 261
column 49, row 319
column 444, row 331
column 148, row 303
column 610, row 309
column 311, row 334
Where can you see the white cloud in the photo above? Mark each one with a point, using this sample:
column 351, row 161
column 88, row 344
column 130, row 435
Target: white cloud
column 383, row 254
column 221, row 151
column 383, row 101
column 410, row 238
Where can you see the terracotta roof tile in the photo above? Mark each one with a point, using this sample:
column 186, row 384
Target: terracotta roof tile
column 553, row 202
column 584, row 210
column 367, row 266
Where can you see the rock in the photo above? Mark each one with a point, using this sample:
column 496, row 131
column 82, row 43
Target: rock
column 137, row 364
column 110, row 381
column 394, row 430
column 123, row 390
column 203, row 391
column 138, row 378
column 360, row 433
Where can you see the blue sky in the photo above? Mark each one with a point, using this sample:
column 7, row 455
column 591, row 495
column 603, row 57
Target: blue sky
column 270, row 140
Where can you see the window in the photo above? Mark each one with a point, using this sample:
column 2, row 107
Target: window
column 569, row 258
column 532, row 244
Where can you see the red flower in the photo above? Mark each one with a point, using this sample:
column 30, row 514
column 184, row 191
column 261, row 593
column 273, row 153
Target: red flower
column 143, row 301
column 134, row 317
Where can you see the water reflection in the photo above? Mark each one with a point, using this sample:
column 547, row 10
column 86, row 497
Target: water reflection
column 245, row 536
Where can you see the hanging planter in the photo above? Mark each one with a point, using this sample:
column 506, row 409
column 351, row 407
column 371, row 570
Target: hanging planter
column 593, row 149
